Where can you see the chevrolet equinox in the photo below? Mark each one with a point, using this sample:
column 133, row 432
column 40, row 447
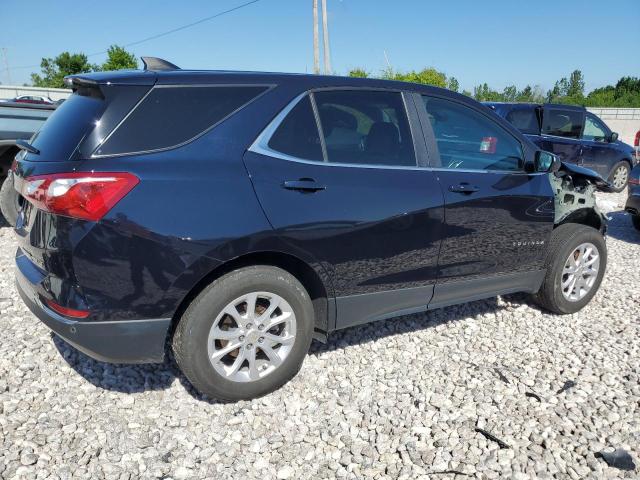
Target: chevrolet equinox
column 235, row 216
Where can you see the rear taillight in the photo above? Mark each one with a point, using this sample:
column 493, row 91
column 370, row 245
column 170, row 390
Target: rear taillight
column 636, row 142
column 84, row 195
column 67, row 312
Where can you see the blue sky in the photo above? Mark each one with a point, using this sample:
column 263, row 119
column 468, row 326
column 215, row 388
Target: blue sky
column 498, row 41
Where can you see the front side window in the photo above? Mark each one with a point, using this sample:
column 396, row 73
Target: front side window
column 467, row 139
column 170, row 116
column 562, row 123
column 594, row 130
column 365, row 127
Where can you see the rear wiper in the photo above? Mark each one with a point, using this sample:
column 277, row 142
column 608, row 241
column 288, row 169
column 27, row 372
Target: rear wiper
column 21, row 144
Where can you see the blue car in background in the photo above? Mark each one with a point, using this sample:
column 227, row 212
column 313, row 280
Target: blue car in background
column 575, row 135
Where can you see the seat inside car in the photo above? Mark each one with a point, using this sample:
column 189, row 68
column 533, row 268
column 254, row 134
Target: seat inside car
column 383, row 140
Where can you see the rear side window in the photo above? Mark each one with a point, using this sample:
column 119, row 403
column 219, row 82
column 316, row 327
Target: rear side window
column 468, row 140
column 562, row 123
column 365, row 127
column 525, row 120
column 297, row 135
column 170, row 116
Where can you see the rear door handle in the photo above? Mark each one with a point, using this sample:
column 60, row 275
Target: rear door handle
column 303, row 185
column 463, row 188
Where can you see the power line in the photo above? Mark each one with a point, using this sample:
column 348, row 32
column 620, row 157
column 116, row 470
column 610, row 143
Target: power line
column 168, row 32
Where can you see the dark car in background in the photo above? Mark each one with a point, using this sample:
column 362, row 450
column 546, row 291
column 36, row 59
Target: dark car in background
column 238, row 215
column 633, row 200
column 573, row 134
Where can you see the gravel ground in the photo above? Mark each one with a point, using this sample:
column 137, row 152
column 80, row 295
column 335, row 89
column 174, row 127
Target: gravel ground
column 398, row 399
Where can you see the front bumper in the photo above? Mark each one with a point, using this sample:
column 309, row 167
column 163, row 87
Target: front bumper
column 123, row 341
column 633, row 203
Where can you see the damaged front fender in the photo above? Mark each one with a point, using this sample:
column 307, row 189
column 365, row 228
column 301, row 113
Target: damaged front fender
column 574, row 190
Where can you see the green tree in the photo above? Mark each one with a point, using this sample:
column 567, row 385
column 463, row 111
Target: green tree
column 426, row 76
column 509, row 94
column 575, row 87
column 483, row 93
column 119, row 59
column 55, row 69
column 358, row 73
column 453, row 84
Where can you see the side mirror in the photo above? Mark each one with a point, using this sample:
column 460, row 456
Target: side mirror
column 546, row 162
column 613, row 137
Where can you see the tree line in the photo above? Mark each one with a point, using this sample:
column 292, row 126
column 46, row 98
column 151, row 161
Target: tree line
column 571, row 90
column 55, row 69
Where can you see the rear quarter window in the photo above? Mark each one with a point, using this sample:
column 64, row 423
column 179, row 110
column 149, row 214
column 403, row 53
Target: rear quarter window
column 172, row 115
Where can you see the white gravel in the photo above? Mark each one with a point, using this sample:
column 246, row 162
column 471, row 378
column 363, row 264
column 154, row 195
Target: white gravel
column 398, row 399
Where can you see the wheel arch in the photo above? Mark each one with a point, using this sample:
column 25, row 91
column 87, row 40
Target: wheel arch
column 584, row 216
column 320, row 297
column 6, row 159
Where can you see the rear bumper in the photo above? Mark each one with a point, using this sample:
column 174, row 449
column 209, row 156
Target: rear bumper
column 123, row 341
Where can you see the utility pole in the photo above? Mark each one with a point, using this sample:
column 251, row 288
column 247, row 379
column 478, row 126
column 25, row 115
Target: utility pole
column 316, row 44
column 6, row 64
column 325, row 38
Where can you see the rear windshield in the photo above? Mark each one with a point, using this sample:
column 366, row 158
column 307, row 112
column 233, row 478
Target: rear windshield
column 172, row 115
column 59, row 136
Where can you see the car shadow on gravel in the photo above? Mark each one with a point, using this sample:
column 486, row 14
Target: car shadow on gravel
column 621, row 228
column 374, row 331
column 150, row 377
column 118, row 377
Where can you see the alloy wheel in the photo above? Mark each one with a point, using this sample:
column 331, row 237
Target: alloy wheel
column 620, row 177
column 252, row 336
column 580, row 272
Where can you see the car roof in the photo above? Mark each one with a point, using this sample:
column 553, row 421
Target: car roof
column 195, row 77
column 530, row 104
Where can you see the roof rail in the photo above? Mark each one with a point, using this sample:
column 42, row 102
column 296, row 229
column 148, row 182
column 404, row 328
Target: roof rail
column 158, row 64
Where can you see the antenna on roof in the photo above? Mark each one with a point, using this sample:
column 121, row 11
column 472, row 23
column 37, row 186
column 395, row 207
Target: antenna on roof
column 158, row 64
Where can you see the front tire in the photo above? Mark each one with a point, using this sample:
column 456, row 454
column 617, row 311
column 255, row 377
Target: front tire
column 575, row 265
column 246, row 334
column 619, row 176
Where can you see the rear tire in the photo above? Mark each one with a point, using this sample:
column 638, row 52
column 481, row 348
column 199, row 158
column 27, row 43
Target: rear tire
column 635, row 220
column 563, row 292
column 9, row 201
column 220, row 317
column 619, row 176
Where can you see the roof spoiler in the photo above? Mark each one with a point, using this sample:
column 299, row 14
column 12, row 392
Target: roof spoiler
column 157, row 64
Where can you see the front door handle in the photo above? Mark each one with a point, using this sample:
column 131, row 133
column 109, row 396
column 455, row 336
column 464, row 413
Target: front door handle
column 463, row 188
column 303, row 185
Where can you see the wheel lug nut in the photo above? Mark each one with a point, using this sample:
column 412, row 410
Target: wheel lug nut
column 250, row 346
column 249, row 325
column 261, row 339
column 260, row 327
column 241, row 337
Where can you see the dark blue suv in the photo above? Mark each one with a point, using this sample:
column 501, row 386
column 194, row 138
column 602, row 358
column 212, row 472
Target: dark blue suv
column 575, row 135
column 236, row 216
